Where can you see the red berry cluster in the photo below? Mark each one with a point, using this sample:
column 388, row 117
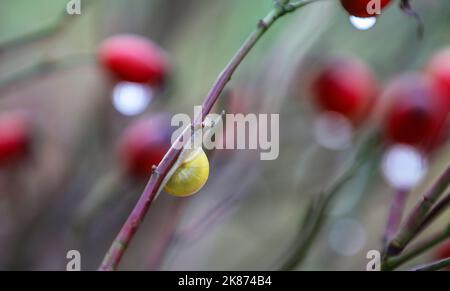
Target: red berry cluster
column 416, row 113
column 346, row 86
column 15, row 137
column 144, row 144
column 136, row 59
column 133, row 58
column 416, row 105
column 362, row 8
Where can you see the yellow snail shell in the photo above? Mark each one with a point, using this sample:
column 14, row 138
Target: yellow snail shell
column 190, row 176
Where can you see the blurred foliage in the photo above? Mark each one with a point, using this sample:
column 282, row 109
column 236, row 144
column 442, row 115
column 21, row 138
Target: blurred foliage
column 268, row 198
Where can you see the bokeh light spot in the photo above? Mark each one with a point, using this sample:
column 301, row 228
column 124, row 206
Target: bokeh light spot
column 333, row 131
column 363, row 23
column 404, row 166
column 347, row 237
column 131, row 98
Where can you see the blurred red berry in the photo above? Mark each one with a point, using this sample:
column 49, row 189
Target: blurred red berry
column 144, row 144
column 15, row 137
column 133, row 58
column 438, row 69
column 416, row 113
column 346, row 86
column 363, row 8
column 443, row 252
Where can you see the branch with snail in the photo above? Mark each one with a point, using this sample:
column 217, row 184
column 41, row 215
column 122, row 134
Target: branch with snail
column 160, row 173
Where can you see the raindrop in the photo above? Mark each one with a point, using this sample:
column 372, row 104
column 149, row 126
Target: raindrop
column 131, row 98
column 404, row 166
column 333, row 131
column 363, row 23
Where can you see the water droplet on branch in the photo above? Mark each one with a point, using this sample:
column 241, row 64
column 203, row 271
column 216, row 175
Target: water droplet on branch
column 363, row 23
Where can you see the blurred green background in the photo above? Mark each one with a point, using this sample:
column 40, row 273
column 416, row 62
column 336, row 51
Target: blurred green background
column 248, row 214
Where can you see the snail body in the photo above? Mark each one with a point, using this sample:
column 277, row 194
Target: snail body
column 190, row 176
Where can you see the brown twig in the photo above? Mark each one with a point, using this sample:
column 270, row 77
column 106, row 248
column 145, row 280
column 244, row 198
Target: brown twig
column 159, row 173
column 417, row 250
column 442, row 205
column 415, row 220
column 395, row 214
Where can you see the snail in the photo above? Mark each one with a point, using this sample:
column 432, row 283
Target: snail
column 190, row 176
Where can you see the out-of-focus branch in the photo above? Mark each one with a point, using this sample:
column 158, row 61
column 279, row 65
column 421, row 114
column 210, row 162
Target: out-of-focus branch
column 442, row 205
column 44, row 67
column 418, row 216
column 435, row 266
column 59, row 25
column 395, row 214
column 316, row 213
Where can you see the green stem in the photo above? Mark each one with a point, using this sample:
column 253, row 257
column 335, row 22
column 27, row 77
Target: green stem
column 44, row 67
column 435, row 266
column 59, row 25
column 315, row 218
column 419, row 249
column 418, row 216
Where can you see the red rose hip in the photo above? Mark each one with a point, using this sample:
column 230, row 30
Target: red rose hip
column 133, row 58
column 438, row 69
column 346, row 86
column 415, row 113
column 144, row 144
column 15, row 137
column 364, row 8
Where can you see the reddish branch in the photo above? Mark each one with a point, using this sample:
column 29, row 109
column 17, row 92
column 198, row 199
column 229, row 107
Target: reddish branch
column 395, row 214
column 120, row 244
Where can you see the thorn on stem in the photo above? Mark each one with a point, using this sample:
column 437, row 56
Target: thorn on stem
column 262, row 24
column 155, row 170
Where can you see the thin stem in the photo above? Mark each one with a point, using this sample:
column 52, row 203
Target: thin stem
column 417, row 217
column 442, row 205
column 167, row 237
column 419, row 249
column 105, row 190
column 59, row 25
column 315, row 216
column 44, row 67
column 121, row 242
column 435, row 266
column 395, row 214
